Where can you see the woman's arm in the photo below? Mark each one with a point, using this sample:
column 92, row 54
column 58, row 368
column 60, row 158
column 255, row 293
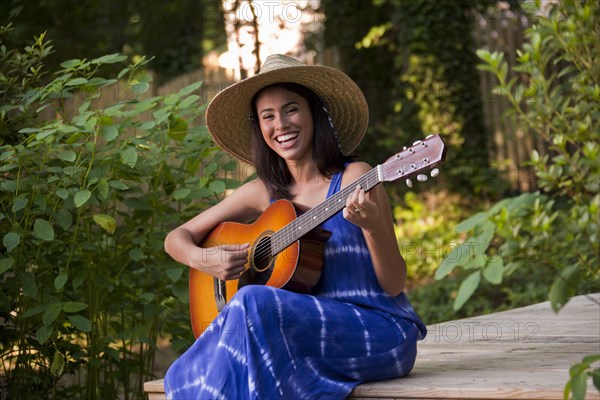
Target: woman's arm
column 376, row 221
column 227, row 261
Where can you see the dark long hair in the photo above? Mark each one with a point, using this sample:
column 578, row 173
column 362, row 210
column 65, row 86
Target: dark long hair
column 272, row 169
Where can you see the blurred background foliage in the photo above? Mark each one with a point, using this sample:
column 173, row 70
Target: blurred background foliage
column 176, row 33
column 88, row 296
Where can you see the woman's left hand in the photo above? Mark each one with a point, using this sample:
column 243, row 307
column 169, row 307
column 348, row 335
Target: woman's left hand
column 361, row 210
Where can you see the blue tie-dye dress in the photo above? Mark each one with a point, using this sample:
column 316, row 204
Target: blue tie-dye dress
column 270, row 343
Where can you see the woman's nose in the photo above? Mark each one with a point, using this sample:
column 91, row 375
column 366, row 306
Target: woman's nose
column 281, row 123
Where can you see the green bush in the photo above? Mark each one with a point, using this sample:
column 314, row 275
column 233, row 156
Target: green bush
column 557, row 228
column 86, row 201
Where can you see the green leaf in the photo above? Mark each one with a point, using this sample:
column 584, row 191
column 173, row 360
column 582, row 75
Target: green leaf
column 118, row 185
column 6, row 264
column 28, row 284
column 58, row 364
column 190, row 88
column 217, row 187
column 108, row 223
column 145, row 105
column 567, row 390
column 523, row 201
column 109, row 59
column 81, row 323
column 103, row 188
column 123, row 72
column 589, row 360
column 64, row 219
column 181, row 292
column 178, row 128
column 596, row 378
column 171, row 99
column 109, row 132
column 51, row 314
column 19, row 204
column 494, row 270
column 62, row 193
column 81, row 197
column 129, row 156
column 565, row 286
column 84, row 107
column 466, row 289
column 90, row 124
column 181, row 193
column 578, row 380
column 74, row 306
column 136, row 254
column 42, row 229
column 66, row 155
column 471, row 222
column 146, row 298
column 161, row 114
column 147, row 125
column 35, row 311
column 458, row 256
column 10, row 241
column 60, row 280
column 483, row 54
column 174, row 274
column 76, row 82
column 189, row 101
column 482, row 241
column 43, row 334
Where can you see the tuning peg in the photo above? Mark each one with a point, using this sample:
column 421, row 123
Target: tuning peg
column 409, row 183
column 422, row 178
column 435, row 172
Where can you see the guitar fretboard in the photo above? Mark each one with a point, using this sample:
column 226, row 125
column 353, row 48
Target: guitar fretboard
column 321, row 213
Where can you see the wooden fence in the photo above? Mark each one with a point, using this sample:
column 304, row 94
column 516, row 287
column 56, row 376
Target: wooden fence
column 510, row 144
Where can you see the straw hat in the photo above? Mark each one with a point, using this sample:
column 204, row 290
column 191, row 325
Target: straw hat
column 227, row 115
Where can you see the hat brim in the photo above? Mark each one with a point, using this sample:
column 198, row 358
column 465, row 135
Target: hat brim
column 227, row 115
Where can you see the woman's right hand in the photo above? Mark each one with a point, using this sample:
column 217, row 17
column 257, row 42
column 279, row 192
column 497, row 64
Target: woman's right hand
column 224, row 262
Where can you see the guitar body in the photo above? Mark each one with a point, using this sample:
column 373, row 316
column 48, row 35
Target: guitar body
column 296, row 268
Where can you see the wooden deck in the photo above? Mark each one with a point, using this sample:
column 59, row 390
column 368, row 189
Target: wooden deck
column 523, row 353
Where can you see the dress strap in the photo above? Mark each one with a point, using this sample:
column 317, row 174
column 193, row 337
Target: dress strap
column 336, row 183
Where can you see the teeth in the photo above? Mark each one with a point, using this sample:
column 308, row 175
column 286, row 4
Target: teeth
column 284, row 138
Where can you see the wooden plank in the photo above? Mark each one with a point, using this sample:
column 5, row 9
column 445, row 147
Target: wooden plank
column 155, row 390
column 519, row 354
column 523, row 353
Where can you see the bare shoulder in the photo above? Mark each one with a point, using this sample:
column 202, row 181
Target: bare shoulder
column 354, row 171
column 252, row 196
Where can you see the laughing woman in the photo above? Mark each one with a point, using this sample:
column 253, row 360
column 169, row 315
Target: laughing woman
column 296, row 124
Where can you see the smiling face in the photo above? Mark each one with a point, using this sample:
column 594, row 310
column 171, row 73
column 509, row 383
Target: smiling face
column 286, row 123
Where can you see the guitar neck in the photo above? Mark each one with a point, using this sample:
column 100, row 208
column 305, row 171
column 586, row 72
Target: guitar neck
column 321, row 213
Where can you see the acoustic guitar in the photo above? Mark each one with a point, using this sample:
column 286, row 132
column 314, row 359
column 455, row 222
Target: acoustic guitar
column 286, row 249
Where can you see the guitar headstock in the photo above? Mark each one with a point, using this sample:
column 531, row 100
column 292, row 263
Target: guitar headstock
column 422, row 156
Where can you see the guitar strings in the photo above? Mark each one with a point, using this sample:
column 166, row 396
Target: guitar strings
column 319, row 214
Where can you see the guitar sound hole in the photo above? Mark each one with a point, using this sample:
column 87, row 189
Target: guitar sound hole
column 262, row 254
column 261, row 264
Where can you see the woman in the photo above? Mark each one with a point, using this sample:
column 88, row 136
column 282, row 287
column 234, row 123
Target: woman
column 270, row 343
